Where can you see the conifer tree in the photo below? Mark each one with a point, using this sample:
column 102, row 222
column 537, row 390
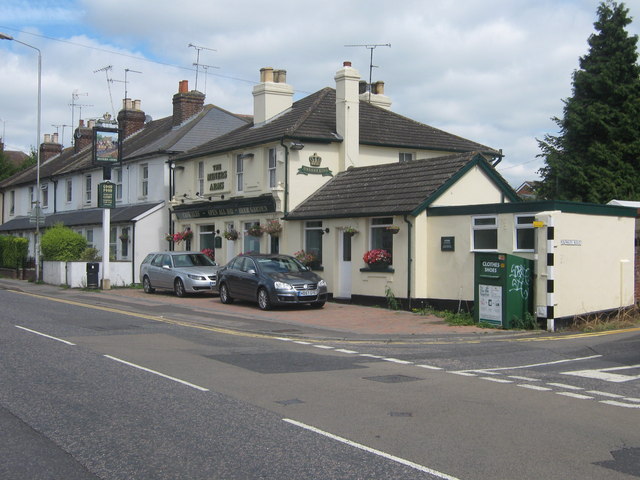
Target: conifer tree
column 596, row 156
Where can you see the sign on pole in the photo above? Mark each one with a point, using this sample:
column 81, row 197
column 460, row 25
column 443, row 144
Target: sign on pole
column 106, row 195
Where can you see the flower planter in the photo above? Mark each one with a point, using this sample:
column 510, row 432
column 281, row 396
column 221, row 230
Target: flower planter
column 378, row 267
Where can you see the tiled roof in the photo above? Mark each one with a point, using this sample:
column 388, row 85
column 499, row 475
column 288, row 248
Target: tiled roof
column 313, row 118
column 90, row 216
column 390, row 189
column 157, row 137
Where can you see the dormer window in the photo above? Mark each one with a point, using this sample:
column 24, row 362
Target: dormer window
column 405, row 157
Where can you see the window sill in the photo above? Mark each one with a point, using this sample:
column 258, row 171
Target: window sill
column 385, row 269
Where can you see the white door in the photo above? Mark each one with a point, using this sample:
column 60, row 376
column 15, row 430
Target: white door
column 344, row 266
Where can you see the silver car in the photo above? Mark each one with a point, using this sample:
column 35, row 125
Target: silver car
column 182, row 272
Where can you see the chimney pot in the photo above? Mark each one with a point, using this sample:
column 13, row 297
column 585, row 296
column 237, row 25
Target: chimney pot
column 47, row 138
column 266, row 74
column 55, row 138
column 346, row 64
column 183, row 86
column 136, row 104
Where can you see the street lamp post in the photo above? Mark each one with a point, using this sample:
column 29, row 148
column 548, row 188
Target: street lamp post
column 4, row 36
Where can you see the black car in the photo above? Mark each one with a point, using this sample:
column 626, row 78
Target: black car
column 270, row 280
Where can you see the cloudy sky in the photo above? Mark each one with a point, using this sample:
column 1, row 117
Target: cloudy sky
column 492, row 71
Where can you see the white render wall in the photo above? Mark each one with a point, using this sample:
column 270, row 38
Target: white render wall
column 74, row 274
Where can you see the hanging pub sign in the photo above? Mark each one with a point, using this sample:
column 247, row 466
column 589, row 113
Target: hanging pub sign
column 106, row 195
column 107, row 147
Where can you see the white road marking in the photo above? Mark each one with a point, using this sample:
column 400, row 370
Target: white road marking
column 619, row 404
column 326, row 347
column 630, row 399
column 368, row 355
column 197, row 387
column 380, row 453
column 396, row 360
column 534, row 387
column 605, row 394
column 429, row 367
column 497, row 380
column 44, row 335
column 575, row 395
column 539, row 364
column 564, row 385
column 526, row 379
column 604, row 374
column 464, row 374
column 344, row 350
column 301, row 342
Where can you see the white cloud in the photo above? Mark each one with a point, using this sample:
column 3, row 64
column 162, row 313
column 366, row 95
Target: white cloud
column 494, row 71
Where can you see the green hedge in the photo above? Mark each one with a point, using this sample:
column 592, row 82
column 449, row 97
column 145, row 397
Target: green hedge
column 13, row 251
column 60, row 243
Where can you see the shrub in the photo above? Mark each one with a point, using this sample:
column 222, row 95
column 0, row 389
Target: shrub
column 60, row 243
column 13, row 251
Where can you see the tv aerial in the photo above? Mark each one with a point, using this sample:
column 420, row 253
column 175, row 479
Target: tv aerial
column 197, row 62
column 371, row 47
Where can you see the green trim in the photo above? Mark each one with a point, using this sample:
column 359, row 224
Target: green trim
column 481, row 162
column 540, row 206
column 345, row 215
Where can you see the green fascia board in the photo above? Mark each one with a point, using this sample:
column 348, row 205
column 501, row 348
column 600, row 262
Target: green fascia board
column 537, row 206
column 481, row 162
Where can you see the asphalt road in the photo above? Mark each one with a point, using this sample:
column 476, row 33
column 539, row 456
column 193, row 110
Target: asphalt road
column 91, row 393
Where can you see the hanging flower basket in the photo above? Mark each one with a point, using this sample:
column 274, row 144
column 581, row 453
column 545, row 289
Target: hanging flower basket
column 255, row 230
column 349, row 230
column 230, row 234
column 124, row 237
column 209, row 253
column 187, row 235
column 305, row 258
column 377, row 259
column 168, row 237
column 393, row 229
column 272, row 227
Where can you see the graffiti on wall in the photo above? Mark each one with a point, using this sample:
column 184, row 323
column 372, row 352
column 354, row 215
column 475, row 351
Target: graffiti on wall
column 519, row 279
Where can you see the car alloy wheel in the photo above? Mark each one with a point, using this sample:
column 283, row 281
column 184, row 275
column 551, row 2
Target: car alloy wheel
column 224, row 294
column 178, row 288
column 263, row 299
column 146, row 283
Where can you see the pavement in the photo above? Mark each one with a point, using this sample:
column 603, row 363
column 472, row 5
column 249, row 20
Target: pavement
column 334, row 321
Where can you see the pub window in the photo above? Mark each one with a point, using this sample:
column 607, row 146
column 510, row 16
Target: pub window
column 251, row 243
column 144, row 180
column 89, row 236
column 31, row 197
column 113, row 242
column 485, row 233
column 69, row 190
column 525, row 233
column 124, row 239
column 381, row 237
column 207, row 235
column 313, row 239
column 201, row 178
column 239, row 173
column 118, row 176
column 45, row 195
column 12, row 202
column 272, row 168
column 405, row 157
column 87, row 189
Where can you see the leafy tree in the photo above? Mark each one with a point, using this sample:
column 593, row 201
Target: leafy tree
column 6, row 168
column 62, row 244
column 596, row 156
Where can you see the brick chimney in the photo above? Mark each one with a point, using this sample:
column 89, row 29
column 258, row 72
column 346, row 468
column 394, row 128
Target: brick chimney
column 50, row 147
column 130, row 119
column 272, row 95
column 375, row 94
column 348, row 115
column 83, row 137
column 186, row 103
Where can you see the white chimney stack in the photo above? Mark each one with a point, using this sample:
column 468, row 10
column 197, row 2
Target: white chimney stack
column 271, row 96
column 348, row 114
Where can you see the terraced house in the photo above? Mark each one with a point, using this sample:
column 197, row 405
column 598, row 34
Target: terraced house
column 69, row 179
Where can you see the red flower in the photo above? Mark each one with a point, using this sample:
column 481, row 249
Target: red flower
column 377, row 256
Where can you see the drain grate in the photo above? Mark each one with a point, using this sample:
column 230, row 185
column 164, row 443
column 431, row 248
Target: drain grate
column 392, row 378
column 400, row 414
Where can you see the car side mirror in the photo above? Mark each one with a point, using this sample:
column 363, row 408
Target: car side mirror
column 166, row 267
column 251, row 271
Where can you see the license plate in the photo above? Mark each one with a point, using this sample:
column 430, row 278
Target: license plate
column 213, row 284
column 307, row 293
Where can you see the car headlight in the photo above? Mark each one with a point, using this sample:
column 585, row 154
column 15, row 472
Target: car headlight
column 283, row 286
column 322, row 283
column 196, row 277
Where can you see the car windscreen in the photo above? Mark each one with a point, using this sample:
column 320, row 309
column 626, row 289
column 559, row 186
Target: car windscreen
column 280, row 265
column 192, row 260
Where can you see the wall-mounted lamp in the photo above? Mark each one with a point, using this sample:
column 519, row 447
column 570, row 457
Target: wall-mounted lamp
column 326, row 230
column 296, row 146
column 176, row 167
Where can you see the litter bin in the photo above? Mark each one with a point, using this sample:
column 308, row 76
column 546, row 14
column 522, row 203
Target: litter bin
column 92, row 274
column 503, row 288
